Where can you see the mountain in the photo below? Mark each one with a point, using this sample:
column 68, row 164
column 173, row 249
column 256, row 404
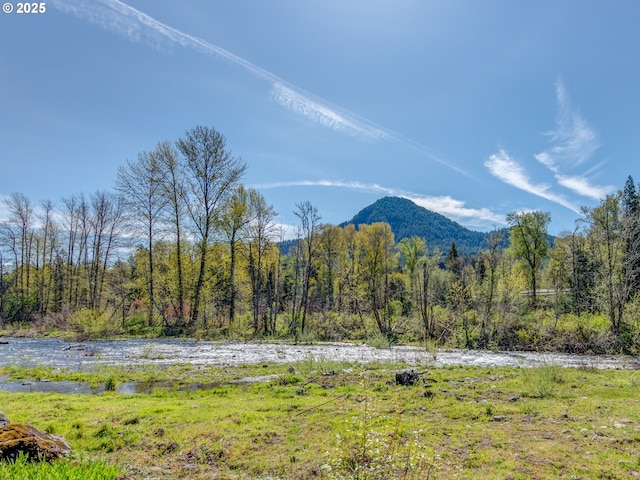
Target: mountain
column 408, row 219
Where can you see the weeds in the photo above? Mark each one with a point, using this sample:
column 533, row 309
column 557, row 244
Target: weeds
column 323, row 366
column 381, row 341
column 368, row 449
column 542, row 382
column 289, row 379
column 110, row 384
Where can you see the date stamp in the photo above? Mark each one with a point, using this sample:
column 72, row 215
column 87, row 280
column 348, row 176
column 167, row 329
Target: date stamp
column 25, row 7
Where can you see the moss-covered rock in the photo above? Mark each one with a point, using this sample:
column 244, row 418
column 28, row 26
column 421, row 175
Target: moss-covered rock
column 16, row 438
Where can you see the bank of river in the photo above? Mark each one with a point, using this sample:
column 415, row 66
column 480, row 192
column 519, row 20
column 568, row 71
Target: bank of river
column 139, row 352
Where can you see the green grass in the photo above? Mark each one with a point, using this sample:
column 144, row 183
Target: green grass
column 346, row 421
column 22, row 469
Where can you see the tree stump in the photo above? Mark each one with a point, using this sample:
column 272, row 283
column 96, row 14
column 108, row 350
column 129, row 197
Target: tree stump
column 407, row 378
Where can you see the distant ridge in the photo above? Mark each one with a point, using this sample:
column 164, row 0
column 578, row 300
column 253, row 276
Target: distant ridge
column 408, row 219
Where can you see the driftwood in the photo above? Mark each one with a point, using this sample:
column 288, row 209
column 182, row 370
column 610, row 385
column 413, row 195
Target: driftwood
column 408, row 379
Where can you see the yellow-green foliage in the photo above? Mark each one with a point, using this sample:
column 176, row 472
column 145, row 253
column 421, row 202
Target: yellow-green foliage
column 88, row 322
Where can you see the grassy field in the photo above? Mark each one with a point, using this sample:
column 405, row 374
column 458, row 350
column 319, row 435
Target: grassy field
column 322, row 419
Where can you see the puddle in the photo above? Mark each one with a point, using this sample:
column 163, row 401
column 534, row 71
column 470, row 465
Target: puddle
column 53, row 387
column 125, row 388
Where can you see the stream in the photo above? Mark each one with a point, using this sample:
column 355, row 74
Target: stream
column 33, row 352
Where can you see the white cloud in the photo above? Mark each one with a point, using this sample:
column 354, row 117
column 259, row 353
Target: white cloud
column 456, row 210
column 502, row 166
column 572, row 143
column 583, row 186
column 445, row 205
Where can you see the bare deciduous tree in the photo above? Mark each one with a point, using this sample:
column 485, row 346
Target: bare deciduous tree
column 213, row 172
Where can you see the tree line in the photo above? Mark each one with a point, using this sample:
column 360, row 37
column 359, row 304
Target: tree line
column 181, row 246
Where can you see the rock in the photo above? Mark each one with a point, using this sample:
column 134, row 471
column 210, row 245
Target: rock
column 16, row 438
column 3, row 420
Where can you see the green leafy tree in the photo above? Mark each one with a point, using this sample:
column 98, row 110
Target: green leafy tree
column 529, row 241
column 235, row 216
column 608, row 245
column 413, row 250
column 378, row 261
column 330, row 249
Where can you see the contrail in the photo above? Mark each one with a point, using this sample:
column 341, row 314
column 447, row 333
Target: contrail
column 134, row 25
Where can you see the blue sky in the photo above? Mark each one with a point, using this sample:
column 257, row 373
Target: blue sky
column 470, row 108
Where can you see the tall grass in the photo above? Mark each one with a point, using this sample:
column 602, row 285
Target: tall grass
column 22, row 469
column 543, row 381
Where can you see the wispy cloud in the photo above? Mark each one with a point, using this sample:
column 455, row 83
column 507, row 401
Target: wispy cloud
column 445, row 205
column 502, row 166
column 582, row 185
column 572, row 143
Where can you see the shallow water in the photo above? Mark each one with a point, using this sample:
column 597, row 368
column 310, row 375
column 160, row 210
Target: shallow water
column 30, row 352
column 137, row 352
column 125, row 388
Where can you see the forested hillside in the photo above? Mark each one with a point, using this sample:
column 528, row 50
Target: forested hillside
column 410, row 220
column 181, row 246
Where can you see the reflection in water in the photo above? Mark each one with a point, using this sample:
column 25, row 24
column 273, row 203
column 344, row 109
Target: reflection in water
column 125, row 388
